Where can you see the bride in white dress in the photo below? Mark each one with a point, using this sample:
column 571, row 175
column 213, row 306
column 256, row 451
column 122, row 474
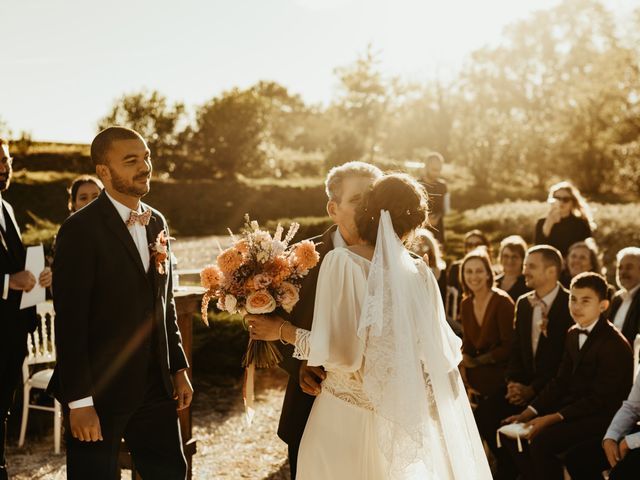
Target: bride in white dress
column 392, row 405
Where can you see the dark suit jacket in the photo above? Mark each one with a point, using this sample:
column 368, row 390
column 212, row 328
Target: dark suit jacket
column 631, row 325
column 592, row 381
column 297, row 404
column 113, row 319
column 14, row 323
column 522, row 367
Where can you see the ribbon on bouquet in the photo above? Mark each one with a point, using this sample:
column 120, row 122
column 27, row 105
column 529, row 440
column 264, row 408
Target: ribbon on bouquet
column 248, row 392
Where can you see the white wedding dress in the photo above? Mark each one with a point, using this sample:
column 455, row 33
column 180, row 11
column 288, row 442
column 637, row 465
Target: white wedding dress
column 393, row 405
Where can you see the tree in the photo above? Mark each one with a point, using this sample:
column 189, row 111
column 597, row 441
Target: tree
column 158, row 121
column 555, row 96
column 5, row 131
column 363, row 100
column 229, row 132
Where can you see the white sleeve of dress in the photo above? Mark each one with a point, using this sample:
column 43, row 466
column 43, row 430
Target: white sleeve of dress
column 342, row 284
column 301, row 346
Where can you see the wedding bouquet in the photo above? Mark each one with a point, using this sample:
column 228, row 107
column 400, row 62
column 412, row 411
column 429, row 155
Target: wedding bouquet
column 256, row 275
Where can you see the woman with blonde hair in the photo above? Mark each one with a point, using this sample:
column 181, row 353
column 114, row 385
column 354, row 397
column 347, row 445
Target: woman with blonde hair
column 568, row 221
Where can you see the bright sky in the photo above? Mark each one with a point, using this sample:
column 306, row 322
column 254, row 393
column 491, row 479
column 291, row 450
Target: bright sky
column 65, row 61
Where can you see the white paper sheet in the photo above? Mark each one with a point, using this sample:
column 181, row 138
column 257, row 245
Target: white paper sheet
column 35, row 265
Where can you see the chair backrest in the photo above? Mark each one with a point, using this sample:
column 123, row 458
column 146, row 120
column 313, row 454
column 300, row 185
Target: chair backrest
column 451, row 303
column 636, row 355
column 41, row 345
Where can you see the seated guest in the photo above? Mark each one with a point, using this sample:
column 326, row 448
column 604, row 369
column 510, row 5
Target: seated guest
column 568, row 221
column 83, row 190
column 425, row 243
column 511, row 256
column 594, row 377
column 620, row 449
column 621, row 443
column 541, row 322
column 625, row 306
column 472, row 239
column 487, row 325
column 582, row 256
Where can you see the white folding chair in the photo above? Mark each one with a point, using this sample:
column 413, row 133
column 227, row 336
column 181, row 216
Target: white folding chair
column 451, row 304
column 41, row 350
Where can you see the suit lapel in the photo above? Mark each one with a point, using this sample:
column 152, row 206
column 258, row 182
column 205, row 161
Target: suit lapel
column 153, row 229
column 119, row 229
column 526, row 332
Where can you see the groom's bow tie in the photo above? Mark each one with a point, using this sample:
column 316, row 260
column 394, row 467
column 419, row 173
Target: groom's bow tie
column 141, row 218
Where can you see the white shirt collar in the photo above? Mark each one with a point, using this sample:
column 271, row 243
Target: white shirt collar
column 549, row 298
column 123, row 210
column 338, row 239
column 590, row 327
column 627, row 295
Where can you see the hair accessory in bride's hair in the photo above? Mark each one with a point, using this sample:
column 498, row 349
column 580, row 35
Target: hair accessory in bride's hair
column 408, row 212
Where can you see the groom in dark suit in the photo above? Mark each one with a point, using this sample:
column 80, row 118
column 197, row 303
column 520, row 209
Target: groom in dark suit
column 121, row 370
column 344, row 186
column 14, row 323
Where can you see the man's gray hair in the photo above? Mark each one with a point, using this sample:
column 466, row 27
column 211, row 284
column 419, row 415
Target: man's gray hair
column 336, row 176
column 628, row 252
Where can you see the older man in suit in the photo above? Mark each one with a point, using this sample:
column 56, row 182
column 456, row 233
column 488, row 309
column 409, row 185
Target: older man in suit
column 345, row 186
column 625, row 306
column 14, row 323
column 541, row 322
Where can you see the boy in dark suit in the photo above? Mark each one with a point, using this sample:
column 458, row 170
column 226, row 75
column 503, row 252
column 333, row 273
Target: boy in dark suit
column 594, row 378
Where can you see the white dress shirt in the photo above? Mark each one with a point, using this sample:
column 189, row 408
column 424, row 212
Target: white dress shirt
column 626, row 419
column 139, row 236
column 582, row 337
column 536, row 318
column 3, row 224
column 621, row 314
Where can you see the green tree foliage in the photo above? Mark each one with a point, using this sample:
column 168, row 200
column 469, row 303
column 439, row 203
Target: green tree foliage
column 553, row 100
column 158, row 121
column 363, row 100
column 228, row 132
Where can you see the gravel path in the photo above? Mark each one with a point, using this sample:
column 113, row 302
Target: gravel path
column 227, row 447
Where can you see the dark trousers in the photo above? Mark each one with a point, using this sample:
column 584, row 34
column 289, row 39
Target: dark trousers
column 587, row 461
column 489, row 415
column 544, row 457
column 293, row 459
column 152, row 435
column 10, row 380
column 628, row 468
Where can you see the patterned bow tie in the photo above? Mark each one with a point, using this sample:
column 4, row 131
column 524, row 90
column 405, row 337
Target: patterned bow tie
column 141, row 218
column 536, row 301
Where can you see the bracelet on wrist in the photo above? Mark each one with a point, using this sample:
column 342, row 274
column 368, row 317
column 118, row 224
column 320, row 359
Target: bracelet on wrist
column 284, row 342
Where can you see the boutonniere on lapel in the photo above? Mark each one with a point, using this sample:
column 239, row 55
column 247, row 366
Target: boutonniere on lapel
column 159, row 251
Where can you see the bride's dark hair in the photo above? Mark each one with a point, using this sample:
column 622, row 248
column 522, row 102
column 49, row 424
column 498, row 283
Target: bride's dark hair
column 402, row 196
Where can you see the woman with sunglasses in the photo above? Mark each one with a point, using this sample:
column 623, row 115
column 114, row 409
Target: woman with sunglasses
column 568, row 221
